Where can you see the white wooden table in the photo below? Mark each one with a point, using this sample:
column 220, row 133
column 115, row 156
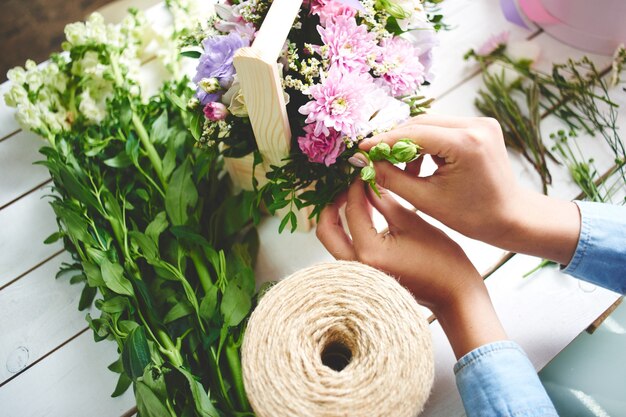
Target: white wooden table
column 50, row 365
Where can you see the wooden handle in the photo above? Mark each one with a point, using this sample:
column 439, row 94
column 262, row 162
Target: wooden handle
column 272, row 35
column 262, row 90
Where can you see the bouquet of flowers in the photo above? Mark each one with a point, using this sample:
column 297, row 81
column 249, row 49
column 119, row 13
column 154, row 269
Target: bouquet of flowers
column 349, row 69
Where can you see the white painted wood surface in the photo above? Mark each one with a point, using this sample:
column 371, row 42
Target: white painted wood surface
column 49, row 364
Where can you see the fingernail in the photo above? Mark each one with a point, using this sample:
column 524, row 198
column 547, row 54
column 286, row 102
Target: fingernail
column 357, row 160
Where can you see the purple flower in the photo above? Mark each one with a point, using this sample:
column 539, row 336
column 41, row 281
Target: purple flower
column 347, row 44
column 217, row 62
column 320, row 148
column 215, row 111
column 493, row 43
column 344, row 101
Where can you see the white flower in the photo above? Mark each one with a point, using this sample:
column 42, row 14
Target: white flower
column 235, row 101
column 28, row 116
column 17, row 75
column 93, row 111
column 16, row 96
column 416, row 15
column 389, row 115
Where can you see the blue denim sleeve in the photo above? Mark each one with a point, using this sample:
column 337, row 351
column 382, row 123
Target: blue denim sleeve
column 497, row 379
column 600, row 256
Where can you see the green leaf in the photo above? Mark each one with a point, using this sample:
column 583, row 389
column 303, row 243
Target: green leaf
column 181, row 194
column 121, row 160
column 136, row 353
column 177, row 101
column 179, row 310
column 86, row 297
column 132, row 148
column 196, row 124
column 208, row 304
column 157, row 226
column 53, row 238
column 116, row 304
column 148, row 403
column 123, row 382
column 236, row 304
column 159, row 131
column 191, row 54
column 94, row 276
column 202, row 402
column 116, row 366
column 113, row 276
column 147, row 246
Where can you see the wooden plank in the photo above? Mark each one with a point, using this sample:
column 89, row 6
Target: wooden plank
column 24, row 225
column 37, row 315
column 17, row 173
column 561, row 303
column 72, row 382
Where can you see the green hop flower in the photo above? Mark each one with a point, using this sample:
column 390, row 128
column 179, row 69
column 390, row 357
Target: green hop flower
column 380, row 152
column 404, row 150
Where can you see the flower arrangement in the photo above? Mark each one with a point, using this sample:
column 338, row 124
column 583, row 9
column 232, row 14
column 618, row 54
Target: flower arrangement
column 349, row 68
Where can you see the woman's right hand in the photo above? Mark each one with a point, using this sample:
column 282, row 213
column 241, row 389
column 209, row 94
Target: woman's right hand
column 474, row 190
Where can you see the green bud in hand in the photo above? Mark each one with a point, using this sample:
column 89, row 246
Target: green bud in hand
column 380, row 152
column 368, row 174
column 404, row 150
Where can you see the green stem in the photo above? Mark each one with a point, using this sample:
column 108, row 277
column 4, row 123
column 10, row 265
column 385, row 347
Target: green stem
column 202, row 270
column 234, row 362
column 151, row 151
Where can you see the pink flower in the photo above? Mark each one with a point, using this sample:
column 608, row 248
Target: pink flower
column 347, row 44
column 321, row 148
column 401, row 70
column 215, row 111
column 328, row 10
column 493, row 43
column 344, row 101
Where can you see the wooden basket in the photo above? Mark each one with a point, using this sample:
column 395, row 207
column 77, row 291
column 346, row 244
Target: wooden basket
column 258, row 74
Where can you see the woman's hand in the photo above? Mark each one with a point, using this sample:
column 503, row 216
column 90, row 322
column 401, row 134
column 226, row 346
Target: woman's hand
column 474, row 191
column 426, row 261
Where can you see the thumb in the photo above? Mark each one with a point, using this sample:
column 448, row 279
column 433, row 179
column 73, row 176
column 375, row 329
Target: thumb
column 415, row 190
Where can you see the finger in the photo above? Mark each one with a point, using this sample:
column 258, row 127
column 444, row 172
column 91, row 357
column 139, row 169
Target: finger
column 397, row 217
column 434, row 140
column 414, row 167
column 359, row 216
column 331, row 233
column 441, row 120
column 416, row 190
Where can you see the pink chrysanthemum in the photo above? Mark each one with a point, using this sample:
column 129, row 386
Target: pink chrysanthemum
column 493, row 43
column 400, row 67
column 320, row 148
column 343, row 101
column 328, row 10
column 347, row 44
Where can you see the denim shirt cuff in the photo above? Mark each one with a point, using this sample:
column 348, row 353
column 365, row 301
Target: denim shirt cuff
column 497, row 379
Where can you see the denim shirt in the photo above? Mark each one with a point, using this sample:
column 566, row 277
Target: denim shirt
column 498, row 379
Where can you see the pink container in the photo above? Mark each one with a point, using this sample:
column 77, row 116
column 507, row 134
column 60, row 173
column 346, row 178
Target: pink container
column 597, row 26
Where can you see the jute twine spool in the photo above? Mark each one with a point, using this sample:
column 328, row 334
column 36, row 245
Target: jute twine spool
column 337, row 339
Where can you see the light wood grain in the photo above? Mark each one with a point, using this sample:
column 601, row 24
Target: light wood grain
column 16, row 175
column 38, row 313
column 260, row 82
column 272, row 35
column 24, row 225
column 72, row 382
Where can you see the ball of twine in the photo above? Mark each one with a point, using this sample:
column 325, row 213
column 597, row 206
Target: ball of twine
column 337, row 339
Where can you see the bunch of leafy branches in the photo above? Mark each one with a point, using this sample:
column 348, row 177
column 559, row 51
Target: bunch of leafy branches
column 577, row 92
column 157, row 237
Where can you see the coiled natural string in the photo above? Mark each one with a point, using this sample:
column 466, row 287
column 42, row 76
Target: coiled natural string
column 337, row 339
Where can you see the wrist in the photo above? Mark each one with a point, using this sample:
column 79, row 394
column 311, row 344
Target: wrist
column 469, row 320
column 541, row 226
